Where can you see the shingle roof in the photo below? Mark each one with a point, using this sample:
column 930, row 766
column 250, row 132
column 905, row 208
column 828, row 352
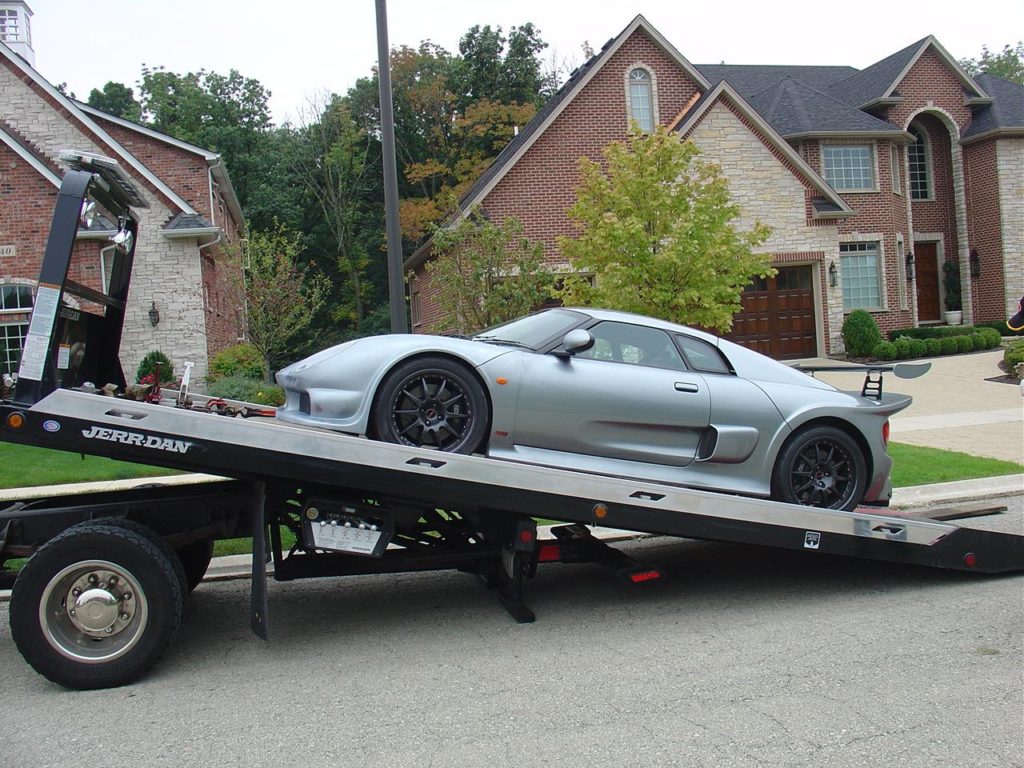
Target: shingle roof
column 1006, row 110
column 874, row 82
column 186, row 221
column 749, row 79
column 794, row 108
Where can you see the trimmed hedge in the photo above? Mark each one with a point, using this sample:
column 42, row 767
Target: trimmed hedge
column 239, row 360
column 942, row 331
column 1013, row 355
column 860, row 333
column 247, row 390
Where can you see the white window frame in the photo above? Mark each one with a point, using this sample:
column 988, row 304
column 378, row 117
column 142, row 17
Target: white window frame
column 652, row 86
column 894, row 162
column 929, row 173
column 19, row 310
column 853, row 248
column 872, row 166
column 10, row 26
column 6, row 364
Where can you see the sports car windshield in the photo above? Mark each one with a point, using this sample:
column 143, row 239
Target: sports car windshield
column 533, row 331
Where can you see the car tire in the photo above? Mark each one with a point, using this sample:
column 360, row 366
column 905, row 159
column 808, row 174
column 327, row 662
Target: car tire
column 820, row 467
column 432, row 402
column 96, row 606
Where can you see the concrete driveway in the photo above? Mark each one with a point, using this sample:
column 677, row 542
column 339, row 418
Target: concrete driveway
column 955, row 407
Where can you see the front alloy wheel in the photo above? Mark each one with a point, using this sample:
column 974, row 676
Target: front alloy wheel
column 432, row 402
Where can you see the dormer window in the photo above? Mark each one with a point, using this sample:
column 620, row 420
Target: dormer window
column 641, row 99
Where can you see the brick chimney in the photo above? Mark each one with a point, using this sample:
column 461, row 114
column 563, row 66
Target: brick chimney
column 16, row 29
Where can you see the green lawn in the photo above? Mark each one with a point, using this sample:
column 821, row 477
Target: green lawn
column 23, row 466
column 913, row 465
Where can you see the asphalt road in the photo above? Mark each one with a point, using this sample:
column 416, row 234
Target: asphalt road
column 742, row 657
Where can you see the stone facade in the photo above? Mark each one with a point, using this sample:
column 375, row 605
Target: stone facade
column 190, row 279
column 1010, row 165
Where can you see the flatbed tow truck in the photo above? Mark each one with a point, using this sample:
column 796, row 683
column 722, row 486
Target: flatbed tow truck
column 102, row 594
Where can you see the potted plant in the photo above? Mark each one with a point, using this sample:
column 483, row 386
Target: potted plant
column 951, row 284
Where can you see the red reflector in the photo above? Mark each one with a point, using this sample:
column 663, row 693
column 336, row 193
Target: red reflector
column 885, row 433
column 526, row 536
column 636, row 578
column 549, row 553
column 970, row 560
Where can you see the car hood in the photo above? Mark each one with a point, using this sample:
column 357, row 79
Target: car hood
column 396, row 346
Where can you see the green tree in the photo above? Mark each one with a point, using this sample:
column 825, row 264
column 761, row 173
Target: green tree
column 228, row 114
column 281, row 298
column 498, row 68
column 486, row 274
column 339, row 165
column 1008, row 64
column 659, row 234
column 116, row 99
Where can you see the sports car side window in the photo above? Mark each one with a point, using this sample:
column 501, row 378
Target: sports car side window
column 633, row 344
column 702, row 356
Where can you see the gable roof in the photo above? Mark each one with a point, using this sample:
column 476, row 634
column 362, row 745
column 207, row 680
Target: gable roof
column 876, row 85
column 554, row 106
column 91, row 127
column 213, row 159
column 1004, row 115
column 831, row 206
column 797, row 110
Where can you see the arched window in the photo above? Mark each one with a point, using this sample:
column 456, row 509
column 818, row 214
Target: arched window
column 641, row 99
column 918, row 163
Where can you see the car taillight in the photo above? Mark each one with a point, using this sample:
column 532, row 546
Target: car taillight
column 885, row 432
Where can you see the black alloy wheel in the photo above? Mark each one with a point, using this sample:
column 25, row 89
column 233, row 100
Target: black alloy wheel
column 431, row 402
column 820, row 467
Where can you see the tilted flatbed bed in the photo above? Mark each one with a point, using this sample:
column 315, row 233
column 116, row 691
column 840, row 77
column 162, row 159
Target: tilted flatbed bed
column 102, row 594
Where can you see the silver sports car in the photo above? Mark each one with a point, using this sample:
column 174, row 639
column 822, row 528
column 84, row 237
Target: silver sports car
column 612, row 393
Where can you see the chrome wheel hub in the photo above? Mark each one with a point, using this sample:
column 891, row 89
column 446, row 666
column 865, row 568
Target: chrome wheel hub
column 93, row 611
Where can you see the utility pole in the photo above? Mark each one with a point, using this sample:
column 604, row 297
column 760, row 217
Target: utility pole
column 396, row 279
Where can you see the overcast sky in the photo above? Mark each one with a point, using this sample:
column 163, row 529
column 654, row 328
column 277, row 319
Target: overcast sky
column 299, row 48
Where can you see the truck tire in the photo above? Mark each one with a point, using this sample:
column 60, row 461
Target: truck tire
column 96, row 606
column 195, row 559
column 157, row 540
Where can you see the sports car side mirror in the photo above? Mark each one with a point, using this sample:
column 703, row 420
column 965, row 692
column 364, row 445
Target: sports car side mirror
column 575, row 341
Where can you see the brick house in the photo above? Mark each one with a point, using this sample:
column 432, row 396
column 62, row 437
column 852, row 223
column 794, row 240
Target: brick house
column 182, row 265
column 870, row 179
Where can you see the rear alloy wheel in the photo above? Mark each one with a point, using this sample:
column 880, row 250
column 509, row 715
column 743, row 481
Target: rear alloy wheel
column 820, row 467
column 431, row 402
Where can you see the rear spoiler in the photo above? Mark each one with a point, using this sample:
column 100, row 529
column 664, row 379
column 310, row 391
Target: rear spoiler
column 872, row 374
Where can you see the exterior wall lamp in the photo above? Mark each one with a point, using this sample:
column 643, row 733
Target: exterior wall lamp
column 154, row 314
column 833, row 275
column 910, row 267
column 975, row 264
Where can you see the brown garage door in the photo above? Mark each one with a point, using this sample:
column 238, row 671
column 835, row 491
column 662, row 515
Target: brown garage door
column 777, row 318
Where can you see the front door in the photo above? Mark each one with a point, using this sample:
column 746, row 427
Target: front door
column 926, row 271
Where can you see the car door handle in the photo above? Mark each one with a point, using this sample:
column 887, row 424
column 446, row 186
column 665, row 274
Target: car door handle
column 685, row 386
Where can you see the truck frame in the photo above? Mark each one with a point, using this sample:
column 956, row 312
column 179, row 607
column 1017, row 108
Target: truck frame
column 101, row 595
